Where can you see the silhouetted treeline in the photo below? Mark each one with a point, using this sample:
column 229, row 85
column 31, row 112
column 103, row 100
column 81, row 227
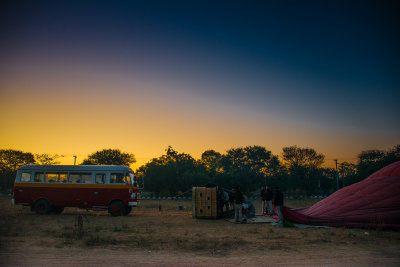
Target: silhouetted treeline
column 300, row 170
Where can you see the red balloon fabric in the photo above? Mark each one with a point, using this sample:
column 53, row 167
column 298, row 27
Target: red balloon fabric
column 371, row 203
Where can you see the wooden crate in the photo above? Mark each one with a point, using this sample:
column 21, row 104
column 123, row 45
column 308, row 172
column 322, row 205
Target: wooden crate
column 204, row 202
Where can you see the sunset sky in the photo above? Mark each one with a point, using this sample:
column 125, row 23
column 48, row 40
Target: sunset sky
column 80, row 76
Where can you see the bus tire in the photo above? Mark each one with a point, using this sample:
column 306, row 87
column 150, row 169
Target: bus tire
column 42, row 206
column 116, row 208
column 57, row 209
column 127, row 210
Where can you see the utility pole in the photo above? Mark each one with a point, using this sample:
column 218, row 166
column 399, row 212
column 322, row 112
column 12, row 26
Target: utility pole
column 341, row 164
column 75, row 160
column 337, row 175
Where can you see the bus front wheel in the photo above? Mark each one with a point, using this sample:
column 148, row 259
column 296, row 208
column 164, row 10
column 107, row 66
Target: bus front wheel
column 116, row 208
column 42, row 207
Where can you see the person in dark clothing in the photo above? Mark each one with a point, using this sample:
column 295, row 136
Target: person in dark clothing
column 226, row 202
column 278, row 203
column 238, row 199
column 232, row 200
column 268, row 195
column 263, row 200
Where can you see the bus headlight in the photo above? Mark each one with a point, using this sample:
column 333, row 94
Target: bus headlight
column 133, row 195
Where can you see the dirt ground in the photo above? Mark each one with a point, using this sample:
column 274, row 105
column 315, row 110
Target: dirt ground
column 171, row 237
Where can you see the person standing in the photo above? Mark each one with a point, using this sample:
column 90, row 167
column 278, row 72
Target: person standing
column 263, row 200
column 226, row 202
column 238, row 205
column 268, row 195
column 278, row 202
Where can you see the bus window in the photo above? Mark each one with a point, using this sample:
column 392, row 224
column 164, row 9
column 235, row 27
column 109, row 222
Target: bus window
column 100, row 178
column 25, row 177
column 39, row 177
column 56, row 177
column 51, row 177
column 117, row 178
column 127, row 179
column 62, row 178
column 86, row 178
column 74, row 178
column 81, row 178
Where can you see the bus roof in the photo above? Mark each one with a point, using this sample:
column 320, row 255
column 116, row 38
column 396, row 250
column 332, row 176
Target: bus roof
column 75, row 167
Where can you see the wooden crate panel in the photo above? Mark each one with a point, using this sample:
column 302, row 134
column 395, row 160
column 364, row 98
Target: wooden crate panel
column 205, row 202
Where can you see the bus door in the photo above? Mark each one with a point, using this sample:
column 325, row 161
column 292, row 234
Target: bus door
column 57, row 193
column 81, row 194
column 38, row 191
column 99, row 192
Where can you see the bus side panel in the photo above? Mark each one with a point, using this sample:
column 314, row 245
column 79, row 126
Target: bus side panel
column 85, row 196
column 57, row 196
column 105, row 196
column 100, row 198
column 71, row 196
column 22, row 194
column 41, row 193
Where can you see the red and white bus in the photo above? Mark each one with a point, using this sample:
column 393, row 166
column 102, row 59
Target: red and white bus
column 50, row 188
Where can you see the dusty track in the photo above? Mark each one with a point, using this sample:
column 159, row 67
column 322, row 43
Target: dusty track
column 172, row 238
column 112, row 257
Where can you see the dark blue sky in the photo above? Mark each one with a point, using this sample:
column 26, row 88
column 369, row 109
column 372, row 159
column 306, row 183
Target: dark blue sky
column 323, row 64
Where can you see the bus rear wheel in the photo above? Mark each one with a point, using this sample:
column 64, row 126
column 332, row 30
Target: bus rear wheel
column 117, row 208
column 42, row 207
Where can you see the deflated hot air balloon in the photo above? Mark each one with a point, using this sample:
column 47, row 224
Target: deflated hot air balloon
column 371, row 203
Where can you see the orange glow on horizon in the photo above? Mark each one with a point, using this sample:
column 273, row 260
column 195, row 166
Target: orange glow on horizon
column 79, row 118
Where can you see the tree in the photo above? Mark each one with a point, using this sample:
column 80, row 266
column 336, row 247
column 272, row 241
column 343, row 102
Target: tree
column 306, row 157
column 212, row 161
column 249, row 167
column 393, row 154
column 10, row 161
column 47, row 159
column 173, row 173
column 326, row 180
column 370, row 161
column 348, row 173
column 303, row 165
column 109, row 157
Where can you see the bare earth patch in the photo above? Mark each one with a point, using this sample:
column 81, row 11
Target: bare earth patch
column 172, row 238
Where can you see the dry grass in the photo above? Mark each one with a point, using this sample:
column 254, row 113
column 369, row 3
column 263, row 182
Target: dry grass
column 171, row 230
